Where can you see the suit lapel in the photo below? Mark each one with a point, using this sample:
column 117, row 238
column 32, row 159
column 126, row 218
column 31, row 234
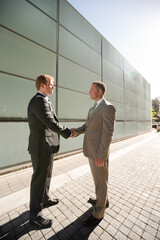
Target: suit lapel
column 52, row 110
column 50, row 106
column 95, row 111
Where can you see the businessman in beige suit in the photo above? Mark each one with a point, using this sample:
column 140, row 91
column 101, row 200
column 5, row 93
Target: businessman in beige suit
column 98, row 131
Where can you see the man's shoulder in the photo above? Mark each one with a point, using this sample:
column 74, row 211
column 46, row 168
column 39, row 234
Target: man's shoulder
column 107, row 104
column 37, row 97
column 36, row 100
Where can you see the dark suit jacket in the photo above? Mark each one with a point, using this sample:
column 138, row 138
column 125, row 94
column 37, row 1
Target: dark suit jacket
column 44, row 126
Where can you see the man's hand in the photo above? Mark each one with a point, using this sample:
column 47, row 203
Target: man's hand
column 74, row 133
column 99, row 162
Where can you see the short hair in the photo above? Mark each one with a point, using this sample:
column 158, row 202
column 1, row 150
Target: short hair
column 100, row 85
column 42, row 79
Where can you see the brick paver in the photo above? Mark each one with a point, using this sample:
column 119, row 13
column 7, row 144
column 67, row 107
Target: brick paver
column 134, row 195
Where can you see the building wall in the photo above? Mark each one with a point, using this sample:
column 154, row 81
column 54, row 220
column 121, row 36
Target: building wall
column 51, row 37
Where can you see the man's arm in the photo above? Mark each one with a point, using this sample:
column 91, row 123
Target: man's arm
column 77, row 131
column 40, row 107
column 107, row 132
column 81, row 129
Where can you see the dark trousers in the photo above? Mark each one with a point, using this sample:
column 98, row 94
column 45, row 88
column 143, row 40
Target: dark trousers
column 40, row 183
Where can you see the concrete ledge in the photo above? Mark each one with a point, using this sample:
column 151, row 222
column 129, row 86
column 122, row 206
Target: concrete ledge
column 21, row 197
column 29, row 164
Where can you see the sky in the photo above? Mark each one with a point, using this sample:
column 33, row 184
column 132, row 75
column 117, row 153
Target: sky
column 133, row 28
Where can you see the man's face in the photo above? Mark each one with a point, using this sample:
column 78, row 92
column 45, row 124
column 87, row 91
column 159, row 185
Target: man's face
column 48, row 88
column 94, row 93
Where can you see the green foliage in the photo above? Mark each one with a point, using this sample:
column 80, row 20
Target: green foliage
column 156, row 106
column 153, row 112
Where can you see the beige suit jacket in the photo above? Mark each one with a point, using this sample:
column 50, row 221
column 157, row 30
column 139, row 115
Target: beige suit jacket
column 98, row 131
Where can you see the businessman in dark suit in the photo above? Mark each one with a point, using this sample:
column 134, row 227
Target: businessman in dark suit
column 45, row 130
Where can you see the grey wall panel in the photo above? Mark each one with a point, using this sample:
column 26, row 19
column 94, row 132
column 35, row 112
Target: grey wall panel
column 73, row 105
column 130, row 70
column 143, row 127
column 71, row 144
column 120, row 110
column 130, row 98
column 112, row 73
column 130, row 84
column 114, row 92
column 24, row 58
column 131, row 129
column 141, row 114
column 74, row 22
column 15, row 94
column 47, row 6
column 13, row 144
column 30, row 23
column 75, row 77
column 131, row 113
column 109, row 52
column 119, row 131
column 141, row 102
column 13, row 103
column 74, row 49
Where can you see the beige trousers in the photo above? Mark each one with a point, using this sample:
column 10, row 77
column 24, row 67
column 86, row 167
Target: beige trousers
column 100, row 177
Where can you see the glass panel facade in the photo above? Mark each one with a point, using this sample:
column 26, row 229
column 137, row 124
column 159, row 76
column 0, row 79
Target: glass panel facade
column 110, row 53
column 15, row 94
column 71, row 144
column 13, row 103
column 13, row 143
column 75, row 23
column 114, row 92
column 118, row 131
column 77, row 51
column 47, row 6
column 30, row 23
column 112, row 73
column 51, row 37
column 24, row 58
column 75, row 77
column 73, row 105
column 120, row 113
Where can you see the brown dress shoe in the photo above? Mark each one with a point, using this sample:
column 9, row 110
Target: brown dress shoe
column 93, row 202
column 50, row 202
column 40, row 222
column 90, row 221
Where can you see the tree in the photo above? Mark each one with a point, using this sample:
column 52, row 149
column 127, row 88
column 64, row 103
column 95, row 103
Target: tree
column 153, row 112
column 156, row 105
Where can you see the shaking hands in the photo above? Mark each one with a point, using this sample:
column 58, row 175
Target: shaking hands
column 74, row 133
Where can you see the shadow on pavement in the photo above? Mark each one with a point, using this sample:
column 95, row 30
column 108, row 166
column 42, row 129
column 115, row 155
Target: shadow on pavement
column 75, row 230
column 19, row 227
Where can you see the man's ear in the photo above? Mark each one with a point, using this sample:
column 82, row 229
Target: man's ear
column 100, row 92
column 42, row 85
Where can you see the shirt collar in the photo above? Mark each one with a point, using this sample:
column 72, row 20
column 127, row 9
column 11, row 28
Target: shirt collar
column 99, row 101
column 43, row 94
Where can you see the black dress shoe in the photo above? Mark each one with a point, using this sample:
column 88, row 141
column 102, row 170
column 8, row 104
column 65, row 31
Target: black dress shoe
column 50, row 202
column 93, row 202
column 40, row 222
column 90, row 221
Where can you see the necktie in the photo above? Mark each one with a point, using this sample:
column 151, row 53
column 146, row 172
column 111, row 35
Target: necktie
column 92, row 109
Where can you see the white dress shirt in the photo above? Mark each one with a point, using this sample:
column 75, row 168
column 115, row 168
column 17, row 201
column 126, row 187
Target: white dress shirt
column 99, row 101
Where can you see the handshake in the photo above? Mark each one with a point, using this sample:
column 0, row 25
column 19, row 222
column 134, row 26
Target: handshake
column 74, row 133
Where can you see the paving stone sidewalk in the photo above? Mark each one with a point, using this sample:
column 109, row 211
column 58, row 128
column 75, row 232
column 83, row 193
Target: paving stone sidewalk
column 134, row 195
